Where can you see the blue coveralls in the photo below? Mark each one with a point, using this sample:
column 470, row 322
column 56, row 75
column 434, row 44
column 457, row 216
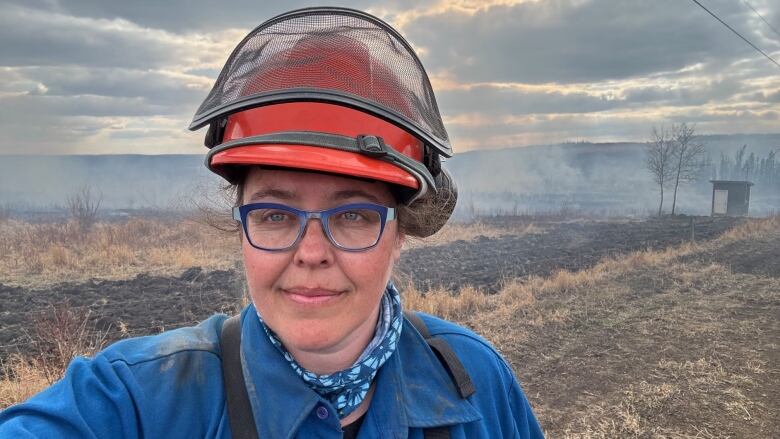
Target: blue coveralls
column 170, row 386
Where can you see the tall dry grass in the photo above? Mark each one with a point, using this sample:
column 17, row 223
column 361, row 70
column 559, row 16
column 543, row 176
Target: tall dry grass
column 443, row 303
column 751, row 229
column 36, row 254
column 52, row 252
column 21, row 379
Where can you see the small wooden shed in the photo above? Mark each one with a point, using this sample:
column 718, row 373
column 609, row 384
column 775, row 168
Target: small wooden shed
column 730, row 197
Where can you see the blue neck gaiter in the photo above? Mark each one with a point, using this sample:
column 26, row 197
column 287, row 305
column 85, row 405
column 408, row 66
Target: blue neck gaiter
column 347, row 388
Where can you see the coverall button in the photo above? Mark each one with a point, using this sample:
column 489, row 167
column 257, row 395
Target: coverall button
column 322, row 412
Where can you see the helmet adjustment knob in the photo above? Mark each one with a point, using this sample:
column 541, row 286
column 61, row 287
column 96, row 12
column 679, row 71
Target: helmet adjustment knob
column 372, row 146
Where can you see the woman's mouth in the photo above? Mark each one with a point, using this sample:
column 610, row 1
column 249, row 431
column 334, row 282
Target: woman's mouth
column 311, row 296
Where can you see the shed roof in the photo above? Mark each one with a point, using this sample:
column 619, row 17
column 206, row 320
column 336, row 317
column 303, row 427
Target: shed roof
column 749, row 183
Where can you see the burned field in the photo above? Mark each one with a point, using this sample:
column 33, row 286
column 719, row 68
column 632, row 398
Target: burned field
column 662, row 340
column 149, row 303
column 573, row 245
column 683, row 347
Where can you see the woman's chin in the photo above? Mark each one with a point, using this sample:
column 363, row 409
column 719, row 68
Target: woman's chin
column 315, row 337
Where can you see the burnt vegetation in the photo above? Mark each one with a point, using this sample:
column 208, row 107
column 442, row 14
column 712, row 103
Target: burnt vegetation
column 615, row 327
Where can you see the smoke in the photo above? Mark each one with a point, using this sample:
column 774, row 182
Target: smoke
column 583, row 177
column 598, row 179
column 160, row 182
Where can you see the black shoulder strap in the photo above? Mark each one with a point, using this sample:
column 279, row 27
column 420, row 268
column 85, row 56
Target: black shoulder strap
column 436, row 433
column 450, row 361
column 447, row 356
column 242, row 422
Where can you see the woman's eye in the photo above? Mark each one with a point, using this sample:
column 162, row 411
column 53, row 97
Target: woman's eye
column 265, row 216
column 351, row 216
column 276, row 217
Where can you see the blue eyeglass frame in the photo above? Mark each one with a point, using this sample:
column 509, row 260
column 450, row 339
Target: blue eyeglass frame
column 385, row 214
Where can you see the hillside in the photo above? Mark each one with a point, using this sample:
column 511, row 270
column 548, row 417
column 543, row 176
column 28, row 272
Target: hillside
column 600, row 178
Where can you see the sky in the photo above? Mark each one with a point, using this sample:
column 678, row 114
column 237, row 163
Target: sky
column 125, row 77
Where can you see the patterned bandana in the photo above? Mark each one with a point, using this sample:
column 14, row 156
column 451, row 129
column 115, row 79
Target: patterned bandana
column 346, row 389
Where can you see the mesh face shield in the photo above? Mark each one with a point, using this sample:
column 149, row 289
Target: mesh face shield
column 332, row 55
column 294, row 91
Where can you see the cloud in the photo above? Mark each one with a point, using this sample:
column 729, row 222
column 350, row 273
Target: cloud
column 82, row 105
column 156, row 87
column 57, row 129
column 77, row 110
column 773, row 97
column 698, row 92
column 185, row 16
column 70, row 82
column 576, row 41
column 501, row 100
column 476, row 131
column 95, row 76
column 41, row 38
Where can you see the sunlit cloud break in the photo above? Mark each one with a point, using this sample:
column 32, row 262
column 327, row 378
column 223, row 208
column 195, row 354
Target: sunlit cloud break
column 80, row 77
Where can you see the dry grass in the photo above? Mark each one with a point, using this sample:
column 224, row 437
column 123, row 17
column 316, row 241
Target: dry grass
column 751, row 229
column 627, row 417
column 521, row 293
column 471, row 231
column 60, row 333
column 440, row 302
column 20, row 380
column 40, row 254
column 36, row 254
column 641, row 410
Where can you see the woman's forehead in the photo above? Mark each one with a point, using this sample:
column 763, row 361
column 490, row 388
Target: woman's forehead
column 291, row 185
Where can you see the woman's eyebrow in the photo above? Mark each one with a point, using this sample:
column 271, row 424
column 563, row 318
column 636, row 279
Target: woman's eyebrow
column 347, row 194
column 272, row 193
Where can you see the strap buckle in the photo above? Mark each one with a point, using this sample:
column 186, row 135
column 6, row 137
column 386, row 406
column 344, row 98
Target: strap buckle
column 372, row 146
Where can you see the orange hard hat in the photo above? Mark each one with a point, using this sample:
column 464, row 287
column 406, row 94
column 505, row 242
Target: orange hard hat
column 315, row 117
column 332, row 90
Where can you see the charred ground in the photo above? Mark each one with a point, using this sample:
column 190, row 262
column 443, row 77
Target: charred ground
column 684, row 346
column 148, row 303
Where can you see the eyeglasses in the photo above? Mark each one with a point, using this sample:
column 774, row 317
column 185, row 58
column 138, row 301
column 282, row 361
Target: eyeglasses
column 276, row 227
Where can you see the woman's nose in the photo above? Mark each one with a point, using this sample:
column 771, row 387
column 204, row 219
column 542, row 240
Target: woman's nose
column 314, row 248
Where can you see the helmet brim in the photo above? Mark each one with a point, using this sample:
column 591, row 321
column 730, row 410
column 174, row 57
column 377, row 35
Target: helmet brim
column 311, row 158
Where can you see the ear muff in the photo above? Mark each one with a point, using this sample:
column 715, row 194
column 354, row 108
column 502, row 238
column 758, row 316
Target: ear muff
column 428, row 214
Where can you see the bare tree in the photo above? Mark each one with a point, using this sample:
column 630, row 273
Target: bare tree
column 659, row 160
column 83, row 207
column 688, row 155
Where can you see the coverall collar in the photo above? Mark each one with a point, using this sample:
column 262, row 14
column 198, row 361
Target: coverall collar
column 412, row 388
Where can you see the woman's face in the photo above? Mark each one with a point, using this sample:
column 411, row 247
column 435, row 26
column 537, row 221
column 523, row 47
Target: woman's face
column 317, row 298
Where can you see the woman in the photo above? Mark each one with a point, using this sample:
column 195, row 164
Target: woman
column 325, row 122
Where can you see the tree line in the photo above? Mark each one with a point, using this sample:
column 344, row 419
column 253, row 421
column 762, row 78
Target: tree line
column 764, row 171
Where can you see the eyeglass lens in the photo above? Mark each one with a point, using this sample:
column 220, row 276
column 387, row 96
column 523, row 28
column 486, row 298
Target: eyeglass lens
column 278, row 229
